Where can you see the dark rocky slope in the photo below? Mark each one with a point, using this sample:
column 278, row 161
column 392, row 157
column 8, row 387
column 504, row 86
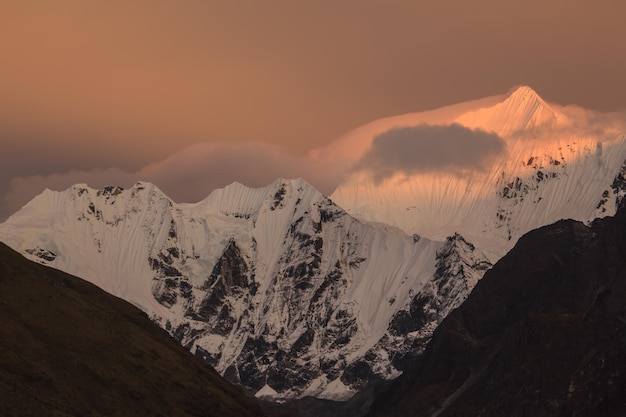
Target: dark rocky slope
column 68, row 348
column 542, row 334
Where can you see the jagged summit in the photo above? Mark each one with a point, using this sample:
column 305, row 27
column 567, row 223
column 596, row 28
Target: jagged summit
column 53, row 200
column 523, row 110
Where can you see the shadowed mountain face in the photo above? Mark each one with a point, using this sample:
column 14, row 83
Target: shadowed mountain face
column 542, row 334
column 68, row 348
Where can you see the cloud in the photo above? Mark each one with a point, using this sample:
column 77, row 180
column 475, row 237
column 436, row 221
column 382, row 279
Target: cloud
column 606, row 126
column 424, row 148
column 190, row 174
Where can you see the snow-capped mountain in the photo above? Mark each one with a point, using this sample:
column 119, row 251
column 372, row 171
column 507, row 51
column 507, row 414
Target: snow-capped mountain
column 278, row 288
column 289, row 295
column 557, row 162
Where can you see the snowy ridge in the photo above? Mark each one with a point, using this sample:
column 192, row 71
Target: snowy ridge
column 279, row 288
column 240, row 201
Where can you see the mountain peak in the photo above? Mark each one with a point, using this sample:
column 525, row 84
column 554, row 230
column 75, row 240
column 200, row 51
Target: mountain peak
column 293, row 182
column 522, row 110
column 524, row 93
column 525, row 101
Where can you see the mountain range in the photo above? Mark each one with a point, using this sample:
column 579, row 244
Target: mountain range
column 278, row 288
column 290, row 293
column 542, row 334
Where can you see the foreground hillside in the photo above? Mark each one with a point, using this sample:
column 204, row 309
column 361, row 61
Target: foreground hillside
column 68, row 348
column 542, row 334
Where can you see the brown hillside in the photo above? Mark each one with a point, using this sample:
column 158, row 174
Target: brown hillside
column 68, row 348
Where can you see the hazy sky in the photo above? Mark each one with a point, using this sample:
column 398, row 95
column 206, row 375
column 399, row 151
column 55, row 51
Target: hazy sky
column 110, row 91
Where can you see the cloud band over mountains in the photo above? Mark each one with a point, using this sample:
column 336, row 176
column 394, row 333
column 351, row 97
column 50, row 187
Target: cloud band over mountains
column 192, row 173
column 188, row 175
column 424, row 148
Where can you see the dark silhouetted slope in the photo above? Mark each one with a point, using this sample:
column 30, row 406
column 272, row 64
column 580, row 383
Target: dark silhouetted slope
column 542, row 334
column 68, row 348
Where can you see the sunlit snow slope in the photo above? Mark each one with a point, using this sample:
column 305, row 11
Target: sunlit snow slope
column 558, row 162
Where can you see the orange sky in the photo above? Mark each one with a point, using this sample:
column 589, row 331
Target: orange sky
column 90, row 85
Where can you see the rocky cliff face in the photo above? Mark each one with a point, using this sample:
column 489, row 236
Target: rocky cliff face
column 458, row 268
